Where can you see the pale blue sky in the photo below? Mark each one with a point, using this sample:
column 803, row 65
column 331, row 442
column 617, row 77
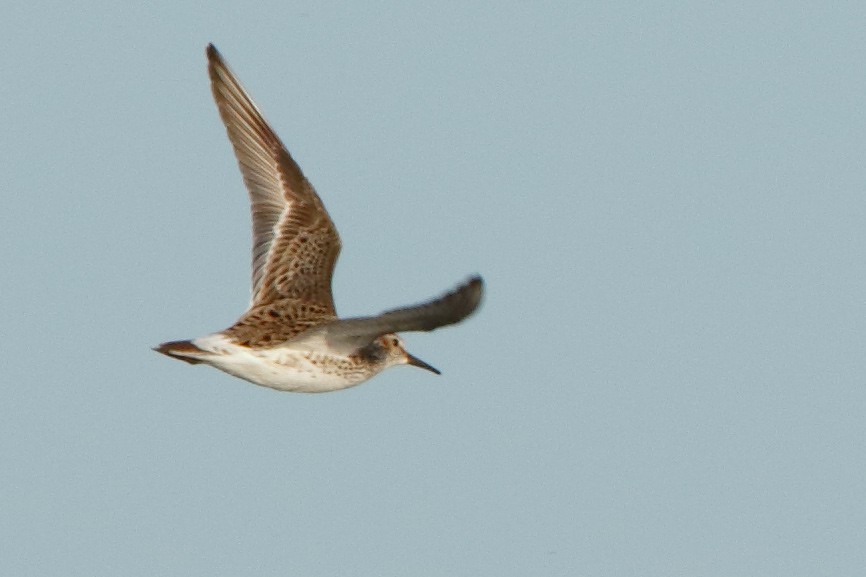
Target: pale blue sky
column 666, row 378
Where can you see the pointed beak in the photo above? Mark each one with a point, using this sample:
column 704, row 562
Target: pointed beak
column 416, row 362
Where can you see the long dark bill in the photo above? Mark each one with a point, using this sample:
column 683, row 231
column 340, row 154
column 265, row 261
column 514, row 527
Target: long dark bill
column 416, row 362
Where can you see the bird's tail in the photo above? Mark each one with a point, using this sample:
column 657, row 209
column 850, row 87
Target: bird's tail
column 182, row 350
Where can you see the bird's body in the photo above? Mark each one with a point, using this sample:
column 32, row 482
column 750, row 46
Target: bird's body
column 291, row 339
column 286, row 367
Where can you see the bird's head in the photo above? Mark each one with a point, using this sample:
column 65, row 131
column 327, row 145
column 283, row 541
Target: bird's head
column 395, row 353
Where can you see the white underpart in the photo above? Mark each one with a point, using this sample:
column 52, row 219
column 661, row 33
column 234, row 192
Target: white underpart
column 281, row 368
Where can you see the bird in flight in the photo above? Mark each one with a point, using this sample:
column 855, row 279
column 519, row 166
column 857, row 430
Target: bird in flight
column 290, row 338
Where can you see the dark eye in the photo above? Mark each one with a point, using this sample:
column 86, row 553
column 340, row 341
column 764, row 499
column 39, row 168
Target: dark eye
column 395, row 342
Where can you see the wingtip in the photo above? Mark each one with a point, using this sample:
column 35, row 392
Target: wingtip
column 214, row 58
column 465, row 299
column 475, row 289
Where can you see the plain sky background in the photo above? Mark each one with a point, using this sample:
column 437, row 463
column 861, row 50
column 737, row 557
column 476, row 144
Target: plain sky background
column 666, row 201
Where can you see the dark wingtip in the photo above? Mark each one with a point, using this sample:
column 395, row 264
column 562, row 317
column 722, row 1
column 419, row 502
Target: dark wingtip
column 214, row 59
column 476, row 285
column 471, row 293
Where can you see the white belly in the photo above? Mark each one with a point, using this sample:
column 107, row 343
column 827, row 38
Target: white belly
column 280, row 368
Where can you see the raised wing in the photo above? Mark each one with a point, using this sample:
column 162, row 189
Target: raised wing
column 348, row 335
column 295, row 244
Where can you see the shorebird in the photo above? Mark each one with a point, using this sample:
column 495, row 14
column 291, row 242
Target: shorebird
column 290, row 338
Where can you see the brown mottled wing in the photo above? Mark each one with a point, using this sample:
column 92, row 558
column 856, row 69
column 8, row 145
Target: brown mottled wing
column 295, row 244
column 276, row 322
column 347, row 335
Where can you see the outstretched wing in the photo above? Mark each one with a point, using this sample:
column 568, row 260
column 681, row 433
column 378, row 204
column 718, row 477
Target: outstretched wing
column 295, row 244
column 348, row 335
